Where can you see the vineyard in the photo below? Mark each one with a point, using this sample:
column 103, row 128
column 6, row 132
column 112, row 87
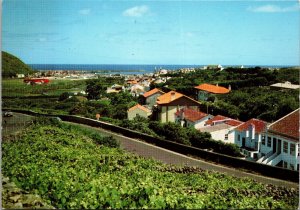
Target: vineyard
column 70, row 167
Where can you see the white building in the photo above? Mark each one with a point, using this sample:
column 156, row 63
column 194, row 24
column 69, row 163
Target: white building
column 280, row 144
column 248, row 136
column 191, row 118
column 221, row 128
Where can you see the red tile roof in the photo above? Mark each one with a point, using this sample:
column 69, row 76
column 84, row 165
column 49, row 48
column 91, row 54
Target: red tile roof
column 226, row 120
column 287, row 126
column 191, row 114
column 212, row 88
column 234, row 122
column 139, row 107
column 216, row 118
column 260, row 126
column 153, row 91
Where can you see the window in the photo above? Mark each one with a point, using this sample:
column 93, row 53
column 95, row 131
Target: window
column 292, row 149
column 263, row 140
column 239, row 137
column 226, row 136
column 285, row 147
column 269, row 142
column 292, row 166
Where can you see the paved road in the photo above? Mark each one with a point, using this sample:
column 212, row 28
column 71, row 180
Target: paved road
column 170, row 157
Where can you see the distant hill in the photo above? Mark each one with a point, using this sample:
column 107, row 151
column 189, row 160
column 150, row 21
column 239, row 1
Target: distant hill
column 11, row 66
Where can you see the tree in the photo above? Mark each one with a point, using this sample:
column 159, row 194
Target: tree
column 64, row 96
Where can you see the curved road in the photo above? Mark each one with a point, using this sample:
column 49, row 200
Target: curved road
column 166, row 156
column 169, row 157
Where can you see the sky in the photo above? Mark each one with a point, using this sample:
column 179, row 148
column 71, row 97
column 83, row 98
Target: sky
column 196, row 32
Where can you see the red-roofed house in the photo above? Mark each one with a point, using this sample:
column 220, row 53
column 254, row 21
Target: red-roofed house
column 191, row 118
column 280, row 146
column 206, row 90
column 138, row 110
column 169, row 103
column 151, row 96
column 248, row 136
column 221, row 128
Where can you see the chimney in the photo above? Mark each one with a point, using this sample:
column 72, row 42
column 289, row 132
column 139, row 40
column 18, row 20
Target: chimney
column 229, row 87
column 217, row 85
column 172, row 95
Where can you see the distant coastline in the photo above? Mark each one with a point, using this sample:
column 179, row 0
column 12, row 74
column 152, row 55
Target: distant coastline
column 126, row 68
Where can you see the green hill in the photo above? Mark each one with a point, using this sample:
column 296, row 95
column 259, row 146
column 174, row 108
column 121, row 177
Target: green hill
column 11, row 66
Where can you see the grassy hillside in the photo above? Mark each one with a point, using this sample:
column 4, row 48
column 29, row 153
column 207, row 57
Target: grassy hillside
column 12, row 65
column 74, row 168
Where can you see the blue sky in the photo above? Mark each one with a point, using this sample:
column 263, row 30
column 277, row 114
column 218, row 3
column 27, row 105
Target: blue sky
column 152, row 32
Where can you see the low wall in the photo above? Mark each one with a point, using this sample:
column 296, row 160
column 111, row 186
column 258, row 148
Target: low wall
column 266, row 170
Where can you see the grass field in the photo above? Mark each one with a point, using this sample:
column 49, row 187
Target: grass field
column 17, row 88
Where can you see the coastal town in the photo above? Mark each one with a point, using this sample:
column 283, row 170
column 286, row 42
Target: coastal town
column 150, row 104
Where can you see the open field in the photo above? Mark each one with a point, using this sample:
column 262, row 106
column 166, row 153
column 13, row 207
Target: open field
column 17, row 88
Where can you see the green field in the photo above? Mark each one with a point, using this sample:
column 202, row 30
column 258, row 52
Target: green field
column 71, row 168
column 17, row 88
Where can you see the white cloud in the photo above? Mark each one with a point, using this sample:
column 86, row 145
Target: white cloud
column 84, row 11
column 273, row 8
column 137, row 11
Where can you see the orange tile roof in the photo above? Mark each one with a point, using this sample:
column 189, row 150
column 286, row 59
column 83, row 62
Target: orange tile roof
column 287, row 126
column 168, row 97
column 191, row 114
column 138, row 106
column 212, row 88
column 151, row 92
column 260, row 126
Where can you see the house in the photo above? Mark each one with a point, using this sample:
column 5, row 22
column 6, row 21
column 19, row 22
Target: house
column 280, row 144
column 138, row 110
column 114, row 88
column 36, row 81
column 137, row 90
column 150, row 97
column 191, row 118
column 220, row 119
column 204, row 91
column 286, row 85
column 221, row 128
column 248, row 136
column 20, row 75
column 169, row 103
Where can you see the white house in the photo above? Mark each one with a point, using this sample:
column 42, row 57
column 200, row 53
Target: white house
column 280, row 143
column 221, row 128
column 248, row 136
column 191, row 118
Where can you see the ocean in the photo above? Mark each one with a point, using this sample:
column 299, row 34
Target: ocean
column 118, row 68
column 111, row 68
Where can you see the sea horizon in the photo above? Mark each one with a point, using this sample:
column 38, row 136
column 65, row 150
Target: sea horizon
column 135, row 67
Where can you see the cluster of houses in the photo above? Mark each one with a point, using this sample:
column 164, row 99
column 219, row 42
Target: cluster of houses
column 273, row 144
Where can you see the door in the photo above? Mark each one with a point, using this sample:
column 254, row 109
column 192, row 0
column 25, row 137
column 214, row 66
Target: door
column 274, row 145
column 243, row 142
column 279, row 147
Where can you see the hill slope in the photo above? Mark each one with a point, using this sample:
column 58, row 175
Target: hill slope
column 12, row 65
